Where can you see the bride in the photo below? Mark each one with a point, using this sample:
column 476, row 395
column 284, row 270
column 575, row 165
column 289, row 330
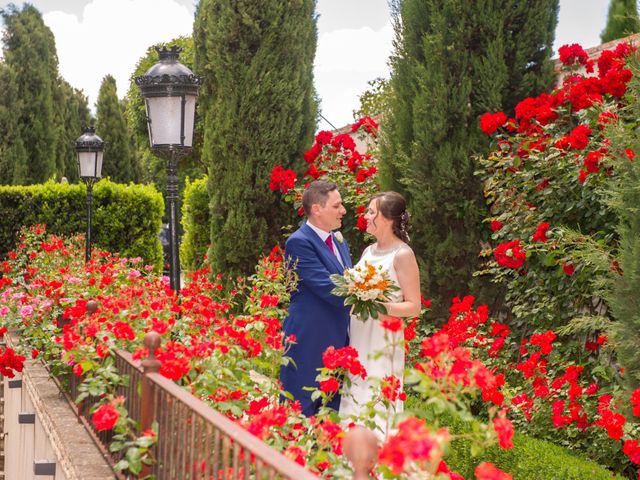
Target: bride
column 381, row 351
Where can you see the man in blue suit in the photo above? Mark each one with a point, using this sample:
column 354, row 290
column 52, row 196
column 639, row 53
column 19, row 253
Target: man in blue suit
column 316, row 318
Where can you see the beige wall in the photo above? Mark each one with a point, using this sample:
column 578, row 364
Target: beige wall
column 56, row 435
column 594, row 54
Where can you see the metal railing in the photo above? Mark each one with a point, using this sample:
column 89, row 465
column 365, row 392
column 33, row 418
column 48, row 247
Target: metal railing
column 195, row 442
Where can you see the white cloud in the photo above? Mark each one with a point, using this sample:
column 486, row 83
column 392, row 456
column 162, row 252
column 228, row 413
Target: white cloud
column 345, row 61
column 111, row 37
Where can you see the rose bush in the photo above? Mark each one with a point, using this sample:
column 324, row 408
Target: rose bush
column 336, row 158
column 548, row 183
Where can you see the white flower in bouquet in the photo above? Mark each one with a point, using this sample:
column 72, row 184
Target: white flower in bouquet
column 364, row 287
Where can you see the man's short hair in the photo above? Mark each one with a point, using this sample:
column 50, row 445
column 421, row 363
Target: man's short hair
column 317, row 192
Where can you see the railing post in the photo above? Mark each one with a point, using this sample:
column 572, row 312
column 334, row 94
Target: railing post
column 92, row 306
column 361, row 448
column 147, row 405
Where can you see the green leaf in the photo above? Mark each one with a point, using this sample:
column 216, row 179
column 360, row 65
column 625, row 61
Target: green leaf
column 133, row 456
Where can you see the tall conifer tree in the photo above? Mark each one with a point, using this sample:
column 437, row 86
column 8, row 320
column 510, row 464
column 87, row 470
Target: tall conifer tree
column 71, row 115
column 111, row 125
column 455, row 60
column 8, row 126
column 622, row 20
column 259, row 110
column 30, row 55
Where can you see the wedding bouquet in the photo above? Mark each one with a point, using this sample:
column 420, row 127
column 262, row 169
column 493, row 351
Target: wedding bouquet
column 364, row 287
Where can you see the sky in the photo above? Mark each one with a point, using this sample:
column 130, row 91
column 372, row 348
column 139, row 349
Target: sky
column 99, row 37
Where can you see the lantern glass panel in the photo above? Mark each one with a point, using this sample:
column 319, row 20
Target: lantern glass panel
column 189, row 119
column 90, row 164
column 164, row 114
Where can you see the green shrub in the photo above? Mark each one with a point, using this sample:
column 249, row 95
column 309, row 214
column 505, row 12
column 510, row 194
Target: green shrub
column 530, row 459
column 195, row 224
column 126, row 218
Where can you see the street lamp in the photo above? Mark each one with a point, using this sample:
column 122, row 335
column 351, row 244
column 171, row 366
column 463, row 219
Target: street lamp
column 169, row 90
column 89, row 148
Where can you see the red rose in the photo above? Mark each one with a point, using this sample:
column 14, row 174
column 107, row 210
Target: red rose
column 105, row 417
column 344, row 140
column 123, row 331
column 495, row 225
column 393, row 324
column 504, row 428
column 361, row 223
column 490, row 122
column 579, row 137
column 575, row 54
column 369, row 123
column 329, row 385
column 510, row 254
column 630, row 153
column 582, row 176
column 311, row 154
column 568, row 268
column 488, row 471
column 592, row 162
column 324, row 137
column 541, row 233
column 282, row 179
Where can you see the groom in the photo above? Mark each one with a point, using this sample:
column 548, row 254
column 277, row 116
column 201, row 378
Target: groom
column 316, row 318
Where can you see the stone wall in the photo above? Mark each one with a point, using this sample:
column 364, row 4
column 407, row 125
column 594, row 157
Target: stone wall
column 42, row 432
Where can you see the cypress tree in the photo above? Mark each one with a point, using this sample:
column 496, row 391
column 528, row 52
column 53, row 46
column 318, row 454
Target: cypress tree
column 111, row 125
column 622, row 20
column 623, row 298
column 8, row 126
column 29, row 52
column 72, row 113
column 622, row 295
column 259, row 110
column 455, row 60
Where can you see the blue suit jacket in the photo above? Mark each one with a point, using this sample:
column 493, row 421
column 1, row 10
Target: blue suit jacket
column 317, row 318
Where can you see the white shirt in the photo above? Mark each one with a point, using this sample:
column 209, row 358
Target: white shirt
column 323, row 236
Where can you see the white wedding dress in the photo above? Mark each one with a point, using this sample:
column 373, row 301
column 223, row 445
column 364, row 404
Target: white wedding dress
column 376, row 352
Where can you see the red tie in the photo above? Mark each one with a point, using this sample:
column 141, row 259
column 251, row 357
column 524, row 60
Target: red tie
column 329, row 242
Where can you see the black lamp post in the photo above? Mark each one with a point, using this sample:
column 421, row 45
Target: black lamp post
column 169, row 90
column 89, row 148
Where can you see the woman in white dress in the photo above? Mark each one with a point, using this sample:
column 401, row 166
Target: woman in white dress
column 380, row 350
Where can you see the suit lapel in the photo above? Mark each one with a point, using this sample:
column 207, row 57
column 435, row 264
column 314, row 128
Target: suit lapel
column 323, row 248
column 344, row 253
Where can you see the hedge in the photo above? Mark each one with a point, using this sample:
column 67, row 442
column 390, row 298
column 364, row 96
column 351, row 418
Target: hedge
column 529, row 459
column 126, row 218
column 195, row 225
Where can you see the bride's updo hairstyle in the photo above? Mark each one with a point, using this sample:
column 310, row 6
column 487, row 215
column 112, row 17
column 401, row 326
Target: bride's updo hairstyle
column 393, row 206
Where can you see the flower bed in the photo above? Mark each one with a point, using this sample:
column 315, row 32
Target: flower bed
column 224, row 348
